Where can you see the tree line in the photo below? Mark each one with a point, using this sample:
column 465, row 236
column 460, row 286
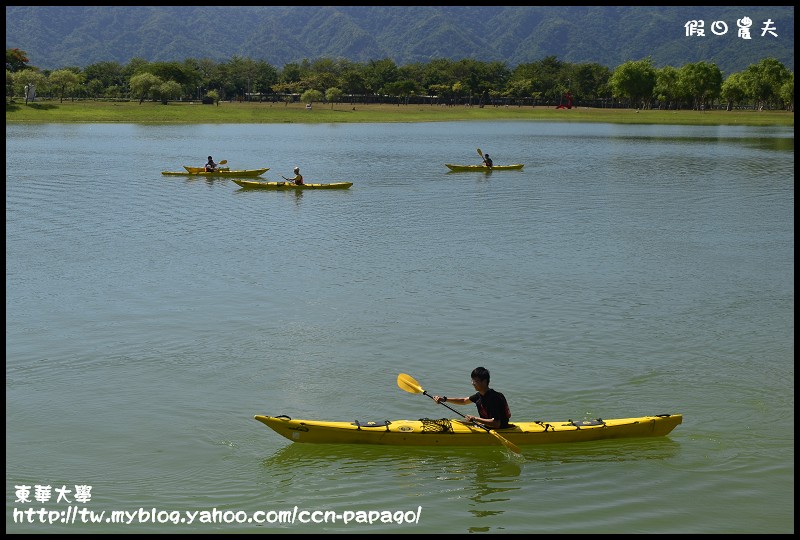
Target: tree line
column 766, row 84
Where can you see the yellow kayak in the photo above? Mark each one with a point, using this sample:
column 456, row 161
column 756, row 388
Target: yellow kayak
column 456, row 432
column 218, row 172
column 252, row 184
column 483, row 168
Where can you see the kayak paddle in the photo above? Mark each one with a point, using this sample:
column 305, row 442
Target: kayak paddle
column 407, row 383
column 483, row 158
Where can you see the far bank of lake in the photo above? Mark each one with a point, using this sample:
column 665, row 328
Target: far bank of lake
column 54, row 111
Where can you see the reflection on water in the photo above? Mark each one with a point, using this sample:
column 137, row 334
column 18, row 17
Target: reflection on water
column 779, row 144
column 486, row 479
column 465, row 459
column 485, row 476
column 493, row 482
column 604, row 451
column 295, row 194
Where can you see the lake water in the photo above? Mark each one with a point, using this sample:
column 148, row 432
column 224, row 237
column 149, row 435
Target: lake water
column 625, row 271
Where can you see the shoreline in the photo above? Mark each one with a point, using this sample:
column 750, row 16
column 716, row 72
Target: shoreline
column 54, row 111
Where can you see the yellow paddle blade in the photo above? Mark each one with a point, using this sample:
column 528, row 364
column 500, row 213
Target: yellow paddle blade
column 480, row 153
column 407, row 383
column 508, row 444
column 223, row 162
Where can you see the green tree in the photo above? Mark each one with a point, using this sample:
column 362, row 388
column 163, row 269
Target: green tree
column 351, row 80
column 667, row 88
column 333, row 95
column 224, row 82
column 314, row 81
column 291, row 72
column 702, row 81
column 114, row 92
column 468, row 73
column 135, row 66
column 588, row 81
column 265, row 76
column 106, row 73
column 144, row 85
column 733, row 90
column 438, row 72
column 287, row 88
column 95, row 88
column 491, row 77
column 401, row 89
column 441, row 92
column 323, row 74
column 9, row 85
column 764, row 81
column 519, row 88
column 247, row 76
column 64, row 80
column 379, row 73
column 634, row 80
column 413, row 72
column 214, row 95
column 310, row 96
column 168, row 90
column 551, row 77
column 786, row 93
column 204, row 70
column 172, row 71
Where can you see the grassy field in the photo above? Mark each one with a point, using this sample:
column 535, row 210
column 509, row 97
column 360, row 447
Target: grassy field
column 280, row 113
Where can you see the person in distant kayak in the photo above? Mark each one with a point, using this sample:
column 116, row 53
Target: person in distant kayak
column 487, row 161
column 211, row 166
column 492, row 406
column 298, row 178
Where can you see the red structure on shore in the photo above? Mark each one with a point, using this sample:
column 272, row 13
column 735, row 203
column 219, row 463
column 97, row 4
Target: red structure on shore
column 568, row 97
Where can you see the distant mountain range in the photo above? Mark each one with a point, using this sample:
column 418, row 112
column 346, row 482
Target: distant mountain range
column 61, row 36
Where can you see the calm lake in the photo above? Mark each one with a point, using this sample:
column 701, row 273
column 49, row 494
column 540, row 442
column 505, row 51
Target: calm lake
column 627, row 270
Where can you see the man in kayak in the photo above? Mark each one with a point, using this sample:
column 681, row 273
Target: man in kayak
column 492, row 406
column 298, row 178
column 211, row 166
column 487, row 161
